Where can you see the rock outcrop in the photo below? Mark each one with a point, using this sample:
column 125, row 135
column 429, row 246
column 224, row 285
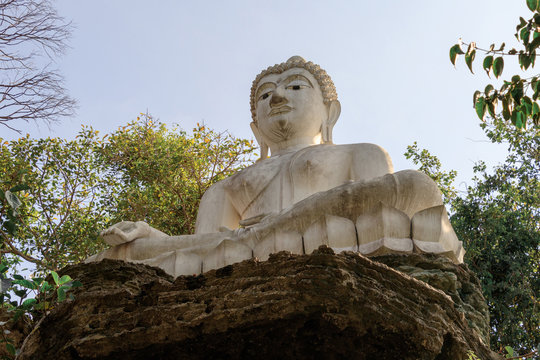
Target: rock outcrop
column 321, row 305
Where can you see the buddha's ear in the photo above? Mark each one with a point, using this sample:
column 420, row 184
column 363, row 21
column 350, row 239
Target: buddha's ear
column 334, row 110
column 262, row 144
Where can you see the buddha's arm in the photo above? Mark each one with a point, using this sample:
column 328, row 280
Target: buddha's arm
column 369, row 161
column 216, row 211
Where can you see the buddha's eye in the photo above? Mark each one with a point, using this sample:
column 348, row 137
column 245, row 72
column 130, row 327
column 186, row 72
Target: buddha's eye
column 296, row 87
column 264, row 96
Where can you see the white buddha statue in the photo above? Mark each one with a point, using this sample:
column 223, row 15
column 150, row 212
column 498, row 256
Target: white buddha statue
column 309, row 192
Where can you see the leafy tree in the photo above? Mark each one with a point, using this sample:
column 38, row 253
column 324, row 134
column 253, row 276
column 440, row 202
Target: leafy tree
column 31, row 31
column 518, row 97
column 70, row 190
column 498, row 219
column 165, row 172
column 64, row 204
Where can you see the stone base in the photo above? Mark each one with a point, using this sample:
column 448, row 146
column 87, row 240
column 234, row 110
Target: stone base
column 322, row 305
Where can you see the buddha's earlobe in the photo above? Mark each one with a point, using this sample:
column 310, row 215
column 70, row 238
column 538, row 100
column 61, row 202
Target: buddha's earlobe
column 334, row 110
column 262, row 144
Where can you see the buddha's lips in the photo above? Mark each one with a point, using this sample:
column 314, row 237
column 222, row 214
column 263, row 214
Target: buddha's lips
column 280, row 110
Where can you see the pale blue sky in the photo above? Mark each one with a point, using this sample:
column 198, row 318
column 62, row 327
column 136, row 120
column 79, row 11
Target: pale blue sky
column 194, row 61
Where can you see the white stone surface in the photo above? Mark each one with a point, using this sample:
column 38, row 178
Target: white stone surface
column 276, row 241
column 176, row 262
column 315, row 235
column 382, row 230
column 289, row 241
column 334, row 231
column 227, row 252
column 433, row 233
column 309, row 192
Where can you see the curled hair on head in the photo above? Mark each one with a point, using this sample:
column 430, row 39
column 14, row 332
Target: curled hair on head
column 323, row 79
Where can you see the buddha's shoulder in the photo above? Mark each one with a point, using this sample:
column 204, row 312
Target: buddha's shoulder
column 359, row 149
column 366, row 156
column 362, row 147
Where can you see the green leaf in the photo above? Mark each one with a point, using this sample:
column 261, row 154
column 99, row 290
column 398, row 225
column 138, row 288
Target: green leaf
column 506, row 109
column 25, row 283
column 509, row 350
column 38, row 280
column 45, row 287
column 10, row 227
column 534, row 83
column 521, row 120
column 498, row 66
column 489, row 88
column 454, row 52
column 61, row 294
column 469, row 58
column 11, row 349
column 20, row 293
column 19, row 187
column 476, row 95
column 524, row 61
column 64, row 279
column 532, row 5
column 522, row 23
column 55, row 277
column 480, row 107
column 29, row 303
column 513, row 118
column 491, row 108
column 518, row 118
column 488, row 62
column 517, row 91
column 524, row 34
column 535, row 109
column 528, row 104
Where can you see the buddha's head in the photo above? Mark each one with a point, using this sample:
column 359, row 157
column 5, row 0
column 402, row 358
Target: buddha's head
column 293, row 104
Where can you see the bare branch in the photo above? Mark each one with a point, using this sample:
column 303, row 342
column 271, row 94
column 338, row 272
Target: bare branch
column 30, row 31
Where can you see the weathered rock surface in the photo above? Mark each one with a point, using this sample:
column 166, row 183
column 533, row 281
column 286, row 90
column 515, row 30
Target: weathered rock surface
column 14, row 331
column 322, row 306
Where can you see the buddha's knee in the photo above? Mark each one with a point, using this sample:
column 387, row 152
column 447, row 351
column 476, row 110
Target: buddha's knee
column 415, row 192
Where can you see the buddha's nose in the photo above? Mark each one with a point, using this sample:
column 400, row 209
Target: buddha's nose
column 277, row 98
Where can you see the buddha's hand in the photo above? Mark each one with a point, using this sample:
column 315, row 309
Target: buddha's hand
column 125, row 231
column 258, row 219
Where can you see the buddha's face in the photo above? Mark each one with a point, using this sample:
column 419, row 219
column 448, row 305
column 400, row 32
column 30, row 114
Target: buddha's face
column 289, row 106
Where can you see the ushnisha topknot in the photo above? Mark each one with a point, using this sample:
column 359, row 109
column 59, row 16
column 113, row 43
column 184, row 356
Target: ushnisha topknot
column 323, row 79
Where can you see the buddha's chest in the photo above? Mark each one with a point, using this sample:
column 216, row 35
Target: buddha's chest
column 276, row 183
